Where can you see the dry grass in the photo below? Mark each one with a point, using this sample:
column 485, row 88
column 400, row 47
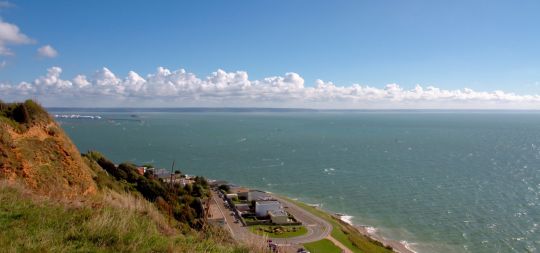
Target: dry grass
column 108, row 222
column 135, row 205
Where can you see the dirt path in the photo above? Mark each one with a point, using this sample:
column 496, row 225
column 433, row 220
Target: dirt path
column 344, row 248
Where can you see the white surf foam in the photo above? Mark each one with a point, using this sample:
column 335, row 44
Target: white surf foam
column 408, row 245
column 346, row 218
column 371, row 230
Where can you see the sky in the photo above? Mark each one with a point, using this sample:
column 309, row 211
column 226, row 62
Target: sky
column 310, row 54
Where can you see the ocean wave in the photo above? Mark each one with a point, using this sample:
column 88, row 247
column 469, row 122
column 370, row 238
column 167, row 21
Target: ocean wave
column 346, row 218
column 77, row 116
column 314, row 205
column 371, row 230
column 269, row 166
column 329, row 171
column 408, row 245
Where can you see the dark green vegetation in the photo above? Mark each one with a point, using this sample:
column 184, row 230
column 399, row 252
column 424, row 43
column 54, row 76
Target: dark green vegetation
column 20, row 115
column 278, row 231
column 322, row 246
column 224, row 188
column 185, row 203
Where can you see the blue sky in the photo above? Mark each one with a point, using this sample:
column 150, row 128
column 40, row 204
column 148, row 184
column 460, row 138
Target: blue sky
column 481, row 45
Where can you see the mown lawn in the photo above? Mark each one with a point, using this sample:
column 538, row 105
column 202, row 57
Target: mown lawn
column 278, row 231
column 322, row 246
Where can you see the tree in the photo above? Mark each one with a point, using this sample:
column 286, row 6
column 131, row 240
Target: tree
column 198, row 191
column 225, row 188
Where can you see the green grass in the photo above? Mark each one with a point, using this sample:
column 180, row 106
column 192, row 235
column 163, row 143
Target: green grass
column 322, row 246
column 269, row 230
column 345, row 233
column 250, row 219
column 110, row 223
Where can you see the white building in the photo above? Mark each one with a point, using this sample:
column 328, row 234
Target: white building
column 278, row 216
column 262, row 207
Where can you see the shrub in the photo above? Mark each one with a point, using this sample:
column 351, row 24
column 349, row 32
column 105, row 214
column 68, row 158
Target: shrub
column 20, row 114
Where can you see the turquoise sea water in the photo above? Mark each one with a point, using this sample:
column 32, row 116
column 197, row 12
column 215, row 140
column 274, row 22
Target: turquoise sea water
column 442, row 181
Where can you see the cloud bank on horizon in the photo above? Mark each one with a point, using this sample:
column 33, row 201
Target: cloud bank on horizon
column 166, row 88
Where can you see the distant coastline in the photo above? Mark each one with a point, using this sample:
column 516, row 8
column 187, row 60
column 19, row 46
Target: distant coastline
column 273, row 109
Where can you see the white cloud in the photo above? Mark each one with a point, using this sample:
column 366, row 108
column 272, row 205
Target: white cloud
column 3, row 64
column 10, row 34
column 221, row 88
column 47, row 51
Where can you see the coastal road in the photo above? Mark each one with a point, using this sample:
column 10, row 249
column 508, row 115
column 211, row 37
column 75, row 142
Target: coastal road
column 238, row 231
column 317, row 228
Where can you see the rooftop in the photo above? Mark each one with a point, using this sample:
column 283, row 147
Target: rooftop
column 280, row 212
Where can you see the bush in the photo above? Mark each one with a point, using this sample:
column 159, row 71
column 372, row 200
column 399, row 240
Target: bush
column 185, row 202
column 20, row 114
column 225, row 188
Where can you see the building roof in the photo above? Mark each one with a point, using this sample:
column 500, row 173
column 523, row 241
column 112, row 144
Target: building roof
column 279, row 212
column 259, row 195
column 238, row 189
column 267, row 202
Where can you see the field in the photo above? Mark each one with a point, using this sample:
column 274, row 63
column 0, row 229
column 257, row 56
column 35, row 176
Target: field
column 322, row 246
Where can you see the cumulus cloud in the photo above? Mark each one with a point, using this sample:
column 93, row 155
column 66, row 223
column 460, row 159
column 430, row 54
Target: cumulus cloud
column 10, row 34
column 47, row 51
column 181, row 88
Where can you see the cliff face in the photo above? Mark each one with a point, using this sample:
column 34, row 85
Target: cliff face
column 37, row 152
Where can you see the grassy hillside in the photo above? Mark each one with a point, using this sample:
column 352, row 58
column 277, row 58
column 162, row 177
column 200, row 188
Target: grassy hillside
column 52, row 199
column 109, row 222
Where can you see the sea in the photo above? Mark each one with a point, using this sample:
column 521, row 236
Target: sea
column 437, row 181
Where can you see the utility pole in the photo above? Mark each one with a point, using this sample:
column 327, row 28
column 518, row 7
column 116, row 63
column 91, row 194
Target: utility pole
column 172, row 195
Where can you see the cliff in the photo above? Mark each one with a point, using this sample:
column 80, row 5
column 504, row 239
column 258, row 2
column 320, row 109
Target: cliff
column 37, row 152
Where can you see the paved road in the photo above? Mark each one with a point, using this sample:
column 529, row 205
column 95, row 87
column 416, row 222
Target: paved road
column 237, row 230
column 317, row 228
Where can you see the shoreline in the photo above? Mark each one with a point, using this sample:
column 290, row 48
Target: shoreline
column 365, row 230
column 398, row 246
column 346, row 221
